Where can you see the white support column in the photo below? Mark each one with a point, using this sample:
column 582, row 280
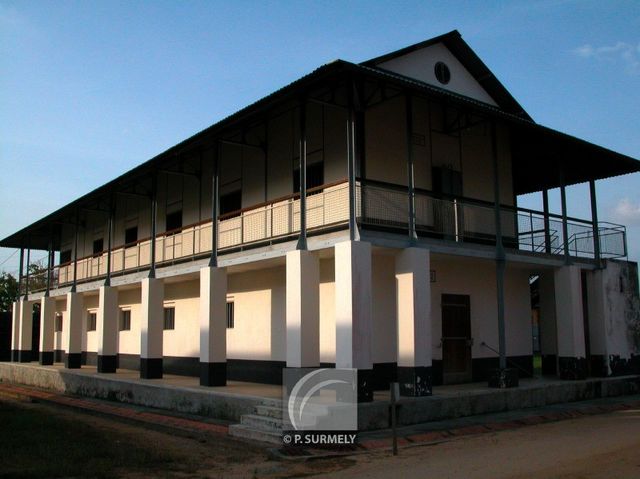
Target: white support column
column 107, row 329
column 413, row 302
column 26, row 331
column 151, row 328
column 75, row 312
column 572, row 363
column 47, row 320
column 213, row 326
column 354, row 312
column 15, row 332
column 303, row 309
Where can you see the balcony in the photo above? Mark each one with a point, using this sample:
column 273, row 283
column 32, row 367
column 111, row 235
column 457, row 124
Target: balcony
column 270, row 222
column 386, row 207
column 379, row 206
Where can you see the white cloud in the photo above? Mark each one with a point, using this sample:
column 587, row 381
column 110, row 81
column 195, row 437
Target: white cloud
column 627, row 212
column 623, row 52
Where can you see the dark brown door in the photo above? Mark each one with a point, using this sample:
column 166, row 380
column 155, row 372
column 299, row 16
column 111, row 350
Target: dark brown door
column 456, row 339
column 447, row 185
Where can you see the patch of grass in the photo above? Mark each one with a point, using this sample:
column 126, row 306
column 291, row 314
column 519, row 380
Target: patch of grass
column 537, row 365
column 36, row 443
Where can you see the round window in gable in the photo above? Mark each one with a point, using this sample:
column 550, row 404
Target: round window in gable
column 443, row 74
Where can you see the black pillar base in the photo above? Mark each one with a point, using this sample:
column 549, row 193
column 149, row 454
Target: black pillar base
column 414, row 381
column 503, row 378
column 14, row 355
column 46, row 358
column 572, row 368
column 73, row 360
column 213, row 374
column 151, row 368
column 107, row 364
column 291, row 376
column 365, row 385
column 24, row 356
column 549, row 364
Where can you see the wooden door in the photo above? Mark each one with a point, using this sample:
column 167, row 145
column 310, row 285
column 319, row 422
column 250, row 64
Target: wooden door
column 456, row 339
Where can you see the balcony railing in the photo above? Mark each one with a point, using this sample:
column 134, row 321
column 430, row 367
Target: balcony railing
column 327, row 206
column 379, row 206
column 385, row 206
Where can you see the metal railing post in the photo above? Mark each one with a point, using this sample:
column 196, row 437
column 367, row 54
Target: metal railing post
column 107, row 280
column 410, row 173
column 500, row 254
column 302, row 238
column 26, row 281
column 354, row 234
column 547, row 226
column 594, row 222
column 215, row 202
column 75, row 253
column 20, row 270
column 565, row 228
column 154, row 210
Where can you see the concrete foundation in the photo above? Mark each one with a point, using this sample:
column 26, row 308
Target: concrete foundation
column 447, row 402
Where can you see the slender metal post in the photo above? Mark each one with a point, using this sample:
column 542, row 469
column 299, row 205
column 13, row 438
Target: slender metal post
column 594, row 221
column 112, row 206
column 413, row 236
column 354, row 234
column 565, row 227
column 395, row 392
column 26, row 281
column 302, row 239
column 154, row 209
column 20, row 270
column 500, row 254
column 547, row 224
column 75, row 253
column 215, row 203
column 49, row 256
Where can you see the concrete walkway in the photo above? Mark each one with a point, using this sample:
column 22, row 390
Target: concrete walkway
column 184, row 395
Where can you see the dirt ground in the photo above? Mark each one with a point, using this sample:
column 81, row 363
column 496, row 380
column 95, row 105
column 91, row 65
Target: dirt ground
column 606, row 445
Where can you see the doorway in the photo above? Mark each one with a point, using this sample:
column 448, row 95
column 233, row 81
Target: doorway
column 447, row 185
column 456, row 339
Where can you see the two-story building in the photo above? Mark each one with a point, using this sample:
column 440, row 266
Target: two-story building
column 364, row 216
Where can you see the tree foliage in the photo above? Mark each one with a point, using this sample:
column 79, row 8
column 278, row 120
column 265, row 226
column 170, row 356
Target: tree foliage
column 8, row 291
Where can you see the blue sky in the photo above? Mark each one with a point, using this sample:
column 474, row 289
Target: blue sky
column 88, row 90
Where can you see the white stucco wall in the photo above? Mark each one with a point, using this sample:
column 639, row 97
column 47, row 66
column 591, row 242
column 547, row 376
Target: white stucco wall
column 419, row 64
column 614, row 310
column 477, row 278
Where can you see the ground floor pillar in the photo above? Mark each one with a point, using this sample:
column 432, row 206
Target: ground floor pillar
column 303, row 309
column 213, row 326
column 547, row 327
column 413, row 305
column 26, row 331
column 151, row 328
column 354, row 312
column 47, row 320
column 107, row 329
column 15, row 332
column 572, row 363
column 75, row 313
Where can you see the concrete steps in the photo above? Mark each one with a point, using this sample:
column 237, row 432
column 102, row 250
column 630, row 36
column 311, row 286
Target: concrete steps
column 264, row 425
column 247, row 432
column 269, row 411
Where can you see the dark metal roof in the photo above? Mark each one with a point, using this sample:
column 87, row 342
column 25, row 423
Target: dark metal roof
column 539, row 152
column 476, row 67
